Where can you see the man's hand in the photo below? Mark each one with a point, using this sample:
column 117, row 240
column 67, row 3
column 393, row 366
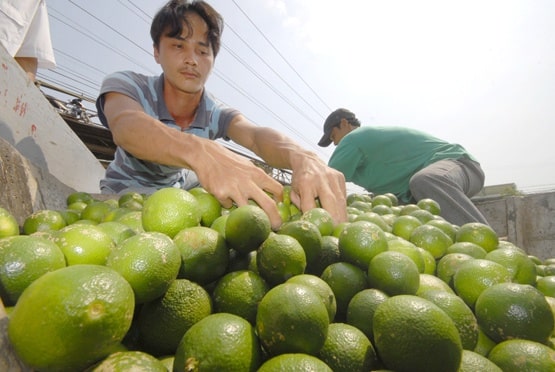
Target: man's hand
column 312, row 179
column 234, row 179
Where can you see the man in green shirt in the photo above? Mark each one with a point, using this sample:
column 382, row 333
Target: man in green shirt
column 406, row 162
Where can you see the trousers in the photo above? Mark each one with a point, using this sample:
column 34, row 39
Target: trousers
column 451, row 183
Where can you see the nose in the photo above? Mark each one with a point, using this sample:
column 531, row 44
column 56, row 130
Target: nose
column 190, row 57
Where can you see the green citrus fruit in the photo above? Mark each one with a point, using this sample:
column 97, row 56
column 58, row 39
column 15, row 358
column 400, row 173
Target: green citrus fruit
column 204, row 254
column 328, row 254
column 478, row 233
column 308, row 235
column 361, row 309
column 448, row 265
column 404, row 225
column 474, row 276
column 468, row 248
column 521, row 267
column 511, row 310
column 432, row 239
column 292, row 318
column 169, row 211
column 360, row 241
column 473, row 362
column 23, row 259
column 348, row 349
column 210, row 208
column 133, row 360
column 459, row 312
column 219, row 342
column 345, row 280
column 239, row 292
column 279, row 258
column 96, row 211
column 246, row 228
column 393, row 273
column 321, row 288
column 414, row 334
column 429, row 205
column 43, row 220
column 321, row 218
column 522, row 355
column 431, row 282
column 84, row 244
column 149, row 261
column 163, row 321
column 8, row 224
column 85, row 312
column 290, row 362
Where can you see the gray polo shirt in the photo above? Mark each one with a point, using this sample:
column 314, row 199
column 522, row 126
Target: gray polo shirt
column 128, row 173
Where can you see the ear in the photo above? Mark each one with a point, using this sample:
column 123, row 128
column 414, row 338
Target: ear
column 156, row 53
column 343, row 123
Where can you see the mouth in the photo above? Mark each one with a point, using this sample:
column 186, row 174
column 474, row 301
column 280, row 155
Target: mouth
column 189, row 74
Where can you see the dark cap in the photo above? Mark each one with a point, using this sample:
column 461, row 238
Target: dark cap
column 332, row 121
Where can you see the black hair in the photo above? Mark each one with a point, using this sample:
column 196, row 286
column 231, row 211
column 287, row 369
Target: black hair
column 353, row 121
column 171, row 19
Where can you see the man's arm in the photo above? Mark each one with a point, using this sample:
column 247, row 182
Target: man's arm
column 312, row 178
column 230, row 177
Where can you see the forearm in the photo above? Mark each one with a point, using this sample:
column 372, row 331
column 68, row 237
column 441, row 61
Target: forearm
column 148, row 139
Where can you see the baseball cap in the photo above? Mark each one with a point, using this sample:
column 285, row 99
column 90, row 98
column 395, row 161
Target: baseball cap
column 332, row 121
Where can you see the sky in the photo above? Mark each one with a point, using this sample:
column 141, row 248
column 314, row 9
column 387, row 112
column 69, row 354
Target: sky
column 480, row 73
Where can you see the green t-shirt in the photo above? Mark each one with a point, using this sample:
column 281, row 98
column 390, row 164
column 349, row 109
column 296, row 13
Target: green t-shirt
column 383, row 159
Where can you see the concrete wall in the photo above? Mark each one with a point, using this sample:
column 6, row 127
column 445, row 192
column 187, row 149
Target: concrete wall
column 30, row 124
column 526, row 220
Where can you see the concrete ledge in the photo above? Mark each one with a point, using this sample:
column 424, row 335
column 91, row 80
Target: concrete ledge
column 527, row 221
column 25, row 188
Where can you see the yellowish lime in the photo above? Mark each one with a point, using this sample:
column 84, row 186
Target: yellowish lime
column 360, row 241
column 169, row 211
column 149, row 261
column 69, row 318
column 23, row 259
column 8, row 224
column 84, row 244
column 478, row 233
column 43, row 220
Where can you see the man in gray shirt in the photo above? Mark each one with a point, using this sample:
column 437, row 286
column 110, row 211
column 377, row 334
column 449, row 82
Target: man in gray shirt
column 167, row 124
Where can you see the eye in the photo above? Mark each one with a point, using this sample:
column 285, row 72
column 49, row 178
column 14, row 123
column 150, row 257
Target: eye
column 204, row 51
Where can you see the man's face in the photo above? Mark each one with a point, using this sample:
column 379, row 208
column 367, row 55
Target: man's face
column 187, row 60
column 339, row 131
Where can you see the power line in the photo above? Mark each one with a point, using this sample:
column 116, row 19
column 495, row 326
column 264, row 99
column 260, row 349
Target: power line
column 64, row 73
column 273, row 70
column 282, row 57
column 88, row 34
column 111, row 28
